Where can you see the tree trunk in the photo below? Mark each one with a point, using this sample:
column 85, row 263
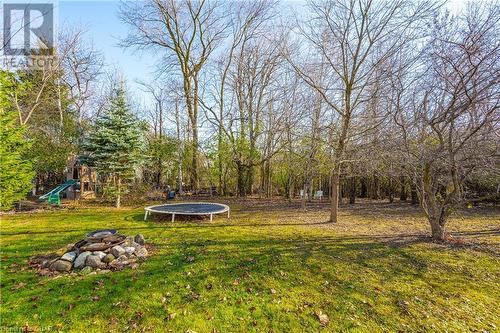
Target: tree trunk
column 403, row 195
column 310, row 189
column 249, row 179
column 335, row 194
column 179, row 150
column 241, row 181
column 119, row 194
column 375, row 188
column 352, row 191
column 437, row 227
column 304, row 194
column 364, row 189
column 290, row 188
column 194, row 163
column 219, row 154
column 391, row 190
column 436, row 211
column 414, row 195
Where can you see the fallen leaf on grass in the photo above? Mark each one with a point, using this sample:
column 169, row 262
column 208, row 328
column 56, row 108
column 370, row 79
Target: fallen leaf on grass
column 403, row 305
column 273, row 291
column 28, row 328
column 195, row 296
column 322, row 317
column 19, row 286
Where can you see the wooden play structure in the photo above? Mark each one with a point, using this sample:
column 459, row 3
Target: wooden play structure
column 86, row 180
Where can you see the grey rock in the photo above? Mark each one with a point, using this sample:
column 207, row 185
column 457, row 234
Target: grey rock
column 141, row 252
column 69, row 256
column 132, row 260
column 94, row 247
column 80, row 260
column 47, row 263
column 86, row 270
column 129, row 249
column 139, row 239
column 100, row 254
column 117, row 251
column 129, row 241
column 104, row 271
column 116, row 265
column 108, row 258
column 93, row 261
column 123, row 260
column 61, row 266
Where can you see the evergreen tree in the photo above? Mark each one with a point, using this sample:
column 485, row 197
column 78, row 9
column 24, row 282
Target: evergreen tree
column 114, row 145
column 16, row 171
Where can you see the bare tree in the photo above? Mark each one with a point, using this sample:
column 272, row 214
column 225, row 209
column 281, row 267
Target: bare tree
column 83, row 66
column 351, row 38
column 450, row 113
column 188, row 31
column 157, row 116
column 73, row 64
column 231, row 93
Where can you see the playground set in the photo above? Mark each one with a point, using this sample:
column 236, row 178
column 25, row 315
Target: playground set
column 80, row 183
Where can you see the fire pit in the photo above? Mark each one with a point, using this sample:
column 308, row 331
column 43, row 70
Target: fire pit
column 101, row 251
column 102, row 233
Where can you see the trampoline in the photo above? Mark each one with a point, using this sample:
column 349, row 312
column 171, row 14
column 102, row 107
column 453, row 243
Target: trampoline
column 188, row 208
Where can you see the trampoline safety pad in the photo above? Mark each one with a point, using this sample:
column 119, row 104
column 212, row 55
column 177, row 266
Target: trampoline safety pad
column 188, row 208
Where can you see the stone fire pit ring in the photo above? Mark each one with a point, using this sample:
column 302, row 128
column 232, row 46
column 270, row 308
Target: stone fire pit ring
column 188, row 208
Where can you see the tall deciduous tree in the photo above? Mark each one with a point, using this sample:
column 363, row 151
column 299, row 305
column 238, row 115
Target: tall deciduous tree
column 114, row 145
column 449, row 126
column 350, row 39
column 189, row 32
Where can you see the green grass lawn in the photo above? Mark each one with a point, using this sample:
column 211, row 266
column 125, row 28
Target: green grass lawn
column 267, row 269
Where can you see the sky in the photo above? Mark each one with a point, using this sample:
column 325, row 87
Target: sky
column 101, row 23
column 102, row 26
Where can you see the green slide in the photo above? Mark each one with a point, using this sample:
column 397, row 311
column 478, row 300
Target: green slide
column 53, row 196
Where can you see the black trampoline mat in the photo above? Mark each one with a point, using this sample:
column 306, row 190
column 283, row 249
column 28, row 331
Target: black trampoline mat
column 189, row 208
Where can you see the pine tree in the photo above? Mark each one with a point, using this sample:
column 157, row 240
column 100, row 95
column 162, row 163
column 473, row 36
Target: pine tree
column 16, row 171
column 114, row 145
